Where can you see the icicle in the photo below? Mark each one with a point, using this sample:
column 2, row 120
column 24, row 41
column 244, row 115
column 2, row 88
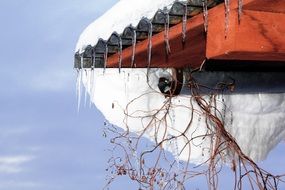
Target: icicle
column 79, row 81
column 149, row 48
column 93, row 60
column 89, row 80
column 184, row 24
column 105, row 57
column 227, row 14
column 149, row 44
column 240, row 5
column 205, row 13
column 134, row 43
column 120, row 53
column 81, row 61
column 166, row 34
column 86, row 87
column 92, row 87
column 92, row 78
column 78, row 88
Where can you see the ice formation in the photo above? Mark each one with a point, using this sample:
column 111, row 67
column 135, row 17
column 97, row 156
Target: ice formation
column 205, row 13
column 184, row 25
column 166, row 34
column 255, row 120
column 134, row 43
column 227, row 15
column 240, row 5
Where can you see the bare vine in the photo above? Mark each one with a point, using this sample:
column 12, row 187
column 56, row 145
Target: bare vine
column 152, row 167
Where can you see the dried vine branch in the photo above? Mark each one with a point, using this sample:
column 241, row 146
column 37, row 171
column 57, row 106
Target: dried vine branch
column 165, row 172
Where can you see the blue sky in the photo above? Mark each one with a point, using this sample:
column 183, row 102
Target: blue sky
column 44, row 143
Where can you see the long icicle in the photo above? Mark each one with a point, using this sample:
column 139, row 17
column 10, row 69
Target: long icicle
column 81, row 61
column 149, row 48
column 205, row 13
column 92, row 77
column 149, row 43
column 120, row 46
column 166, row 34
column 79, row 81
column 91, row 88
column 184, row 25
column 105, row 57
column 78, row 89
column 227, row 15
column 240, row 5
column 134, row 43
column 86, row 87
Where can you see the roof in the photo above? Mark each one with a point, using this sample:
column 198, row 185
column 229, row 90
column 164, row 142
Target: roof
column 175, row 36
column 94, row 56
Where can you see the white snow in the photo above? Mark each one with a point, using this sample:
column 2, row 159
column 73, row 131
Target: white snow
column 255, row 120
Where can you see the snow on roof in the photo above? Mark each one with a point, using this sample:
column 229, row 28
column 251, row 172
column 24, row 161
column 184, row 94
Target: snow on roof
column 122, row 14
column 131, row 12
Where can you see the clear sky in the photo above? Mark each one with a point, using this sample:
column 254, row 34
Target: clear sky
column 44, row 143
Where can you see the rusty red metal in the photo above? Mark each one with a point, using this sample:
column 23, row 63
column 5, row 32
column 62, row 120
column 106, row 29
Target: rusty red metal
column 259, row 36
